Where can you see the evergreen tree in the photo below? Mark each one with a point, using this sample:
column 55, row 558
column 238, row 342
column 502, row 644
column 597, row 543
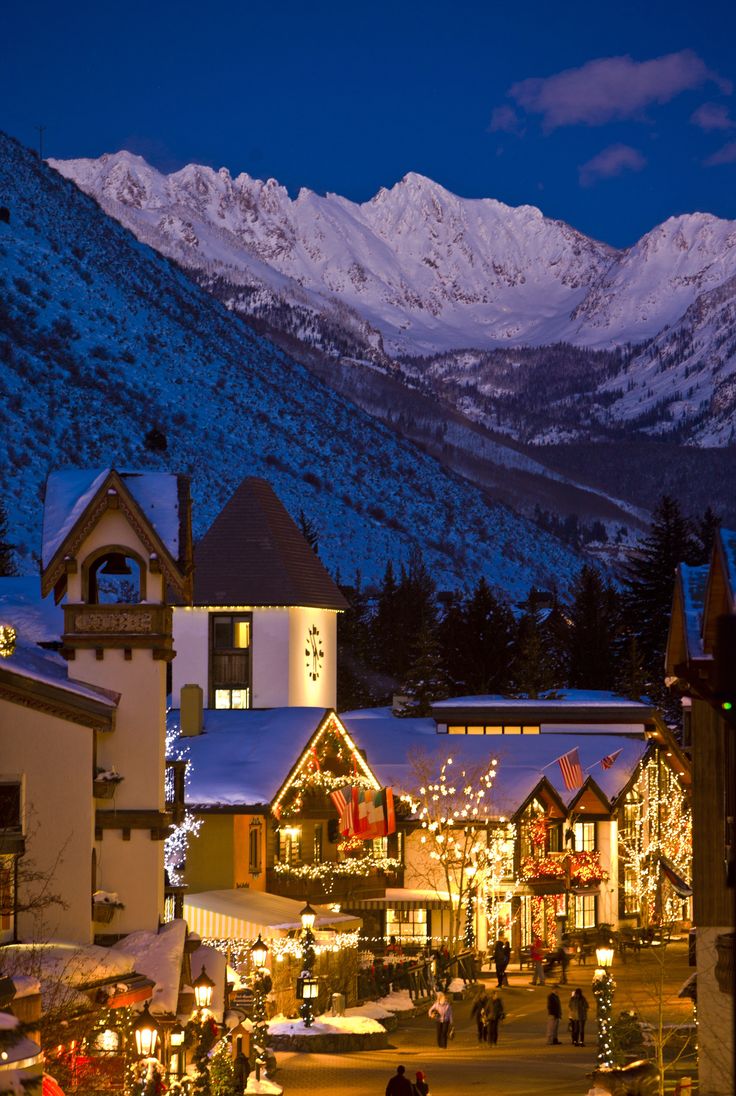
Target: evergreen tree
column 426, row 680
column 477, row 638
column 593, row 633
column 309, row 531
column 533, row 671
column 707, row 528
column 385, row 638
column 354, row 674
column 405, row 610
column 650, row 586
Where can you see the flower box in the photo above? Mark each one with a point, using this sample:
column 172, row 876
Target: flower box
column 103, row 912
column 105, row 784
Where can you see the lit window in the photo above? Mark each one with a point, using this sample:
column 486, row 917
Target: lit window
column 584, row 836
column 454, row 729
column 494, row 730
column 584, row 911
column 511, row 730
column 241, row 634
column 475, row 730
column 530, row 730
column 231, row 698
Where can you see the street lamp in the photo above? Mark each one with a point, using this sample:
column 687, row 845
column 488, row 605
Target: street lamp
column 177, row 1036
column 146, row 1032
column 307, row 987
column 203, row 987
column 603, row 987
column 261, row 986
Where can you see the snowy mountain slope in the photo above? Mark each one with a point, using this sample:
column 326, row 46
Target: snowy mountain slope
column 426, row 269
column 417, row 271
column 102, row 339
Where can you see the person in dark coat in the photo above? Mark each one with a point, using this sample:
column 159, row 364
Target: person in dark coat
column 501, row 957
column 480, row 1011
column 399, row 1084
column 420, row 1086
column 554, row 1015
column 495, row 1014
column 578, row 1015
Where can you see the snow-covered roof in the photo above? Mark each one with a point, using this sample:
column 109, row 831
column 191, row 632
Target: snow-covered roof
column 73, row 965
column 48, row 668
column 159, row 956
column 392, row 744
column 70, row 491
column 243, row 757
column 693, row 584
column 562, row 699
column 35, row 619
column 728, row 540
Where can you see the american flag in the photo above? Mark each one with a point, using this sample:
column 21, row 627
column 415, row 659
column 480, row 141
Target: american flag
column 343, row 800
column 571, row 769
column 607, row 761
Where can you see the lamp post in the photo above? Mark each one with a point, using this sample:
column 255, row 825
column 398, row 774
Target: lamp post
column 203, row 987
column 261, row 986
column 147, row 1034
column 603, row 987
column 177, row 1036
column 306, row 985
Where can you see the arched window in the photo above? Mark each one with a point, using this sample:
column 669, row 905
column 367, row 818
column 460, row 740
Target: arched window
column 115, row 576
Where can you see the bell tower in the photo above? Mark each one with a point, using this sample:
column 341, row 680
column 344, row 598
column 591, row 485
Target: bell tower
column 114, row 545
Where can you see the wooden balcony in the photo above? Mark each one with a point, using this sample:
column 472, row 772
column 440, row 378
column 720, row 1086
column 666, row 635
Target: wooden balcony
column 100, row 627
column 336, row 888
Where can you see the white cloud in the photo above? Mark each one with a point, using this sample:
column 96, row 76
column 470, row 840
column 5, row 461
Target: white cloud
column 712, row 116
column 611, row 88
column 725, row 155
column 612, row 161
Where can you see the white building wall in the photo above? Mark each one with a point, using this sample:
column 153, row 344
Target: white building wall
column 191, row 639
column 303, row 691
column 607, row 838
column 54, row 761
column 270, row 672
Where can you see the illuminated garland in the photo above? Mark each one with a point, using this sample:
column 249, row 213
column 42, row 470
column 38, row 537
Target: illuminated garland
column 603, row 987
column 328, row 870
column 281, row 948
column 585, row 868
column 177, row 842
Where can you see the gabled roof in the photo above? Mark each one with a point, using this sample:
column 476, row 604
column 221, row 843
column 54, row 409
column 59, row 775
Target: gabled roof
column 155, row 503
column 577, row 710
column 243, row 757
column 684, row 640
column 254, row 554
column 523, row 760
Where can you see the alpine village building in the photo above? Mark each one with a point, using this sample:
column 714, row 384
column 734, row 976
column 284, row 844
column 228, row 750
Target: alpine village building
column 587, row 808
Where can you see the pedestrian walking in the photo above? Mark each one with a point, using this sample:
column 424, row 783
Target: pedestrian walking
column 441, row 1012
column 495, row 1014
column 399, row 1084
column 536, row 954
column 554, row 1015
column 578, row 1015
column 479, row 1011
column 420, row 1086
column 501, row 957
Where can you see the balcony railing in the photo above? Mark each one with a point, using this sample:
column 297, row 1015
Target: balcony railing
column 333, row 881
column 564, row 870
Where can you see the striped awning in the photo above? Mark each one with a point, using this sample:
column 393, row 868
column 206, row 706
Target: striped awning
column 243, row 914
column 404, row 899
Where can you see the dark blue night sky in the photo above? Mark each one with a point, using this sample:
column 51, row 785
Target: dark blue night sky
column 610, row 117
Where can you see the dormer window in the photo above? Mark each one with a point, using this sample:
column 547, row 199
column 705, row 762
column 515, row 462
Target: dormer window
column 230, row 643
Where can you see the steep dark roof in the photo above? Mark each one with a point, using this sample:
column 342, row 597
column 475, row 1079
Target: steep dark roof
column 254, row 554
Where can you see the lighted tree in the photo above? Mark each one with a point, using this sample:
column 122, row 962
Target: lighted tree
column 659, row 825
column 454, row 809
column 177, row 842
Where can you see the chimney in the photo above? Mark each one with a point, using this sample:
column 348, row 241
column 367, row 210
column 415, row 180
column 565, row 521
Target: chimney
column 191, row 710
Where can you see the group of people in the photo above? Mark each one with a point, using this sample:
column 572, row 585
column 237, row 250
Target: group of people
column 578, row 1013
column 488, row 1012
column 400, row 1085
column 542, row 963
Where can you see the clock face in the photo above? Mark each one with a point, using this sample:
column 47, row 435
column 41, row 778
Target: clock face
column 314, row 652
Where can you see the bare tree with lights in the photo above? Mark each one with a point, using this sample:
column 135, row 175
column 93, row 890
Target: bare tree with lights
column 453, row 807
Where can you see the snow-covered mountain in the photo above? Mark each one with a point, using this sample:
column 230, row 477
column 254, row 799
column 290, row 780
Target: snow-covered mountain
column 419, row 271
column 102, row 340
